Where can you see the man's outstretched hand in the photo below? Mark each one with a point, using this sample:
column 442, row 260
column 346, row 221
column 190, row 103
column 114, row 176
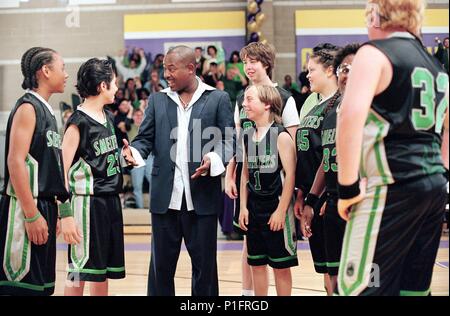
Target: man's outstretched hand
column 203, row 169
column 126, row 153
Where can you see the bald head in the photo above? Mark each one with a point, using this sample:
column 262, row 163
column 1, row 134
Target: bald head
column 183, row 54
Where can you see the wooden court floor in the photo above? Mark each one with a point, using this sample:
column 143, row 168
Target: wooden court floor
column 306, row 281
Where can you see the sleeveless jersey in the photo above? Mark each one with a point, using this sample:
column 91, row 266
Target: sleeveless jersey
column 264, row 164
column 44, row 160
column 309, row 147
column 95, row 169
column 330, row 166
column 402, row 135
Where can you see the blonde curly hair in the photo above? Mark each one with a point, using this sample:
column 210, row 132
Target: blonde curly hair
column 405, row 14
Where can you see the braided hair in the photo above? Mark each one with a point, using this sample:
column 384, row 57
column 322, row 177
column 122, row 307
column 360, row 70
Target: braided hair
column 325, row 54
column 32, row 61
column 332, row 102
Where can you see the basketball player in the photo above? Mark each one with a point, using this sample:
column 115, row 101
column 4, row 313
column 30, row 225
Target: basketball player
column 91, row 159
column 267, row 185
column 390, row 128
column 33, row 178
column 259, row 62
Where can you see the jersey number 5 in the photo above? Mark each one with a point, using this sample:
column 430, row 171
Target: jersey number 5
column 425, row 118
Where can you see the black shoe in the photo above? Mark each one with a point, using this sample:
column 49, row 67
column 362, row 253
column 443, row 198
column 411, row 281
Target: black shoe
column 234, row 236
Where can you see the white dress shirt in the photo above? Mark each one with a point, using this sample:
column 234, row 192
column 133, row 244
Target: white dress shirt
column 181, row 181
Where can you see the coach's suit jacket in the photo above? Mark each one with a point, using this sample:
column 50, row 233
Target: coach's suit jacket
column 214, row 110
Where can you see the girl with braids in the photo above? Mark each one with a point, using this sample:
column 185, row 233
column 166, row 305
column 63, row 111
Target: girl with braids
column 267, row 185
column 326, row 176
column 323, row 81
column 33, row 180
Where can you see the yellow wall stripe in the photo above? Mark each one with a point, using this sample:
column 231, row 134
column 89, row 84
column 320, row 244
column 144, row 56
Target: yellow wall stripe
column 184, row 21
column 354, row 18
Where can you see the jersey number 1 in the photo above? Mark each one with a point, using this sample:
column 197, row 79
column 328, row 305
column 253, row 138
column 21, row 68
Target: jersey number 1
column 424, row 119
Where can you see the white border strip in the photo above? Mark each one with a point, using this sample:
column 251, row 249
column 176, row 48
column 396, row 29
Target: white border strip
column 286, row 55
column 184, row 34
column 357, row 31
column 331, row 31
column 125, row 8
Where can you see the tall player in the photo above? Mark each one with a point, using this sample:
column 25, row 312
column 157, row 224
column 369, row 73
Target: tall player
column 91, row 164
column 390, row 127
column 34, row 177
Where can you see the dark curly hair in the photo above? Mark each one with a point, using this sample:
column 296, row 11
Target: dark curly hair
column 91, row 74
column 32, row 61
column 350, row 49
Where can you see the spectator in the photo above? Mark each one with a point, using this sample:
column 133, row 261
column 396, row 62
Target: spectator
column 234, row 87
column 134, row 70
column 442, row 53
column 123, row 120
column 130, row 90
column 155, row 84
column 138, row 174
column 212, row 52
column 236, row 62
column 158, row 66
column 289, row 85
column 213, row 75
column 220, row 86
column 199, row 60
column 303, row 77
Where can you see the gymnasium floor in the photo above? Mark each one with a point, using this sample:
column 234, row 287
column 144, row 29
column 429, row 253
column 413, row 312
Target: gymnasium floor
column 137, row 255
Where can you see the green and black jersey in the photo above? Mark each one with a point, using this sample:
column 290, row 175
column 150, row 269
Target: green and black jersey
column 95, row 169
column 330, row 166
column 44, row 160
column 402, row 134
column 309, row 147
column 264, row 164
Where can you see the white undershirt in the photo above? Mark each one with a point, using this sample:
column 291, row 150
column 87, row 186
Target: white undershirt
column 37, row 95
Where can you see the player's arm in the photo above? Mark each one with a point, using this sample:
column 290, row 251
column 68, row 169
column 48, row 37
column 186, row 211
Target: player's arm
column 290, row 117
column 243, row 212
column 371, row 74
column 21, row 135
column 71, row 140
column 286, row 150
column 319, row 181
column 445, row 145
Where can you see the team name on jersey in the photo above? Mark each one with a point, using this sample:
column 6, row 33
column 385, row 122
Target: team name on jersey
column 267, row 161
column 105, row 145
column 53, row 139
column 311, row 122
column 328, row 137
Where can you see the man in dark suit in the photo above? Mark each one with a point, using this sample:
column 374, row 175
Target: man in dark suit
column 189, row 129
